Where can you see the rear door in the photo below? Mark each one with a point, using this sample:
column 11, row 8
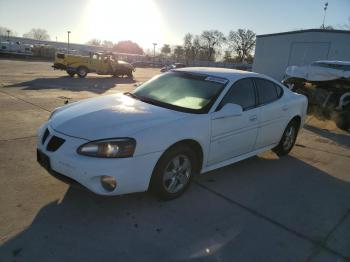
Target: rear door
column 273, row 112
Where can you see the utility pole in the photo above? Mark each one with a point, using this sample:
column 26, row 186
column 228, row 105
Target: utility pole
column 324, row 15
column 8, row 39
column 68, row 42
column 154, row 52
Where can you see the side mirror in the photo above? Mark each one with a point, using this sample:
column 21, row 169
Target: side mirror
column 228, row 110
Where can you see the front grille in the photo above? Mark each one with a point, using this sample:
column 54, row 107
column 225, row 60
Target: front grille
column 46, row 134
column 55, row 143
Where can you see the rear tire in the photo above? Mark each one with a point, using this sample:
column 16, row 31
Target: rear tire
column 288, row 139
column 173, row 173
column 82, row 71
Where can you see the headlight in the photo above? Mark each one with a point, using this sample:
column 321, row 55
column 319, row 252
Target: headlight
column 109, row 148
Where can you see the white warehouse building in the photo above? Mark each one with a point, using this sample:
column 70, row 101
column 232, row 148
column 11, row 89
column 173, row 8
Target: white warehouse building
column 275, row 52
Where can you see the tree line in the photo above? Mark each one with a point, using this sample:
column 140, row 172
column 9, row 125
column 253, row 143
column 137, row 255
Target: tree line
column 210, row 45
column 127, row 46
column 236, row 46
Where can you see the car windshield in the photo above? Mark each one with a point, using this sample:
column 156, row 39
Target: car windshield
column 181, row 91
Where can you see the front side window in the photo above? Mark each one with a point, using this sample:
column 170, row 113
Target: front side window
column 241, row 93
column 181, row 91
column 267, row 91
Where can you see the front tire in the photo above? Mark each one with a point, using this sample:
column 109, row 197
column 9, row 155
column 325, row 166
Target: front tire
column 288, row 139
column 82, row 71
column 129, row 74
column 173, row 173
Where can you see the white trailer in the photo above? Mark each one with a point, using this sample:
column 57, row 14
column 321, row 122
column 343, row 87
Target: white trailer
column 275, row 52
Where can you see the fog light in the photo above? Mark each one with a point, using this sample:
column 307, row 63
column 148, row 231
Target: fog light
column 108, row 183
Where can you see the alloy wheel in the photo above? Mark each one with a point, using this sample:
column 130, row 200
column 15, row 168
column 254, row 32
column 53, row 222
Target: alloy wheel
column 177, row 173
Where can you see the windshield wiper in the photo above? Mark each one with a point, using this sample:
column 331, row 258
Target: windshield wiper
column 143, row 99
column 132, row 95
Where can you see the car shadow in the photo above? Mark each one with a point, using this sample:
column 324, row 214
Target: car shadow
column 200, row 225
column 340, row 139
column 97, row 85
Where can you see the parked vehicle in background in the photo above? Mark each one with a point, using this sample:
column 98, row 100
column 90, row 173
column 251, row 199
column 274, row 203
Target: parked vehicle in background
column 172, row 66
column 100, row 63
column 144, row 64
column 327, row 87
column 9, row 47
column 178, row 124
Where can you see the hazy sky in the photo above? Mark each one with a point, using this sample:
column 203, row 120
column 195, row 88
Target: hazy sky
column 165, row 21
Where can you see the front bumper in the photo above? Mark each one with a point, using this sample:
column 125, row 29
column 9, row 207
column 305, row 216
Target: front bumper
column 132, row 174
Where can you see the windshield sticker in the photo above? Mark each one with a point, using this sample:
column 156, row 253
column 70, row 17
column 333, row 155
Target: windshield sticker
column 216, row 79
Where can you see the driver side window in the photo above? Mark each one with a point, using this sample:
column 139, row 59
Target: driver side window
column 241, row 93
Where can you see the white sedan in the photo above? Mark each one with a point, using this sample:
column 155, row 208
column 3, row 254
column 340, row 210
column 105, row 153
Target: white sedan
column 178, row 124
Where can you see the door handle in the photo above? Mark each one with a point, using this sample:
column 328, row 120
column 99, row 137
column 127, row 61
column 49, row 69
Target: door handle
column 253, row 118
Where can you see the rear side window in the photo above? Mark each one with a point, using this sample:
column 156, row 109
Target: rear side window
column 241, row 93
column 61, row 56
column 267, row 91
column 279, row 91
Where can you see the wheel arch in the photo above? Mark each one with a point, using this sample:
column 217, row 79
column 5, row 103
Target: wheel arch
column 297, row 119
column 192, row 144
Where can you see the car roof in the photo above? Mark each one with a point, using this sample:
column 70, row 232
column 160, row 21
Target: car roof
column 230, row 74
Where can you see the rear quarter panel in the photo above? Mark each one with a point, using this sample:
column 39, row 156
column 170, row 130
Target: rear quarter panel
column 298, row 106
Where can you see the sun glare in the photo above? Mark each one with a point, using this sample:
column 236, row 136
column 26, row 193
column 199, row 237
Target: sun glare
column 115, row 20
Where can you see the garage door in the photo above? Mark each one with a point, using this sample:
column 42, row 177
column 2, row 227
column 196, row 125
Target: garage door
column 304, row 53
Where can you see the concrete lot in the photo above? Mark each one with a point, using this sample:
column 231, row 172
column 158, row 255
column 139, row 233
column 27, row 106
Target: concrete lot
column 296, row 208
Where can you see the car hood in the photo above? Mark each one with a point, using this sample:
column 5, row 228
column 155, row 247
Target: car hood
column 110, row 116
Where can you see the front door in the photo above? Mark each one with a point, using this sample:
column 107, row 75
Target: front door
column 236, row 135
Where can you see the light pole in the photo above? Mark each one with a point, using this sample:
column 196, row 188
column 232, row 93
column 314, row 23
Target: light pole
column 324, row 16
column 154, row 52
column 8, row 39
column 68, row 32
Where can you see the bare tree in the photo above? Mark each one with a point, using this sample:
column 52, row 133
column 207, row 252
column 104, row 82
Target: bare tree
column 37, row 34
column 94, row 41
column 179, row 52
column 107, row 44
column 212, row 39
column 166, row 49
column 128, row 47
column 196, row 46
column 188, row 46
column 242, row 42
